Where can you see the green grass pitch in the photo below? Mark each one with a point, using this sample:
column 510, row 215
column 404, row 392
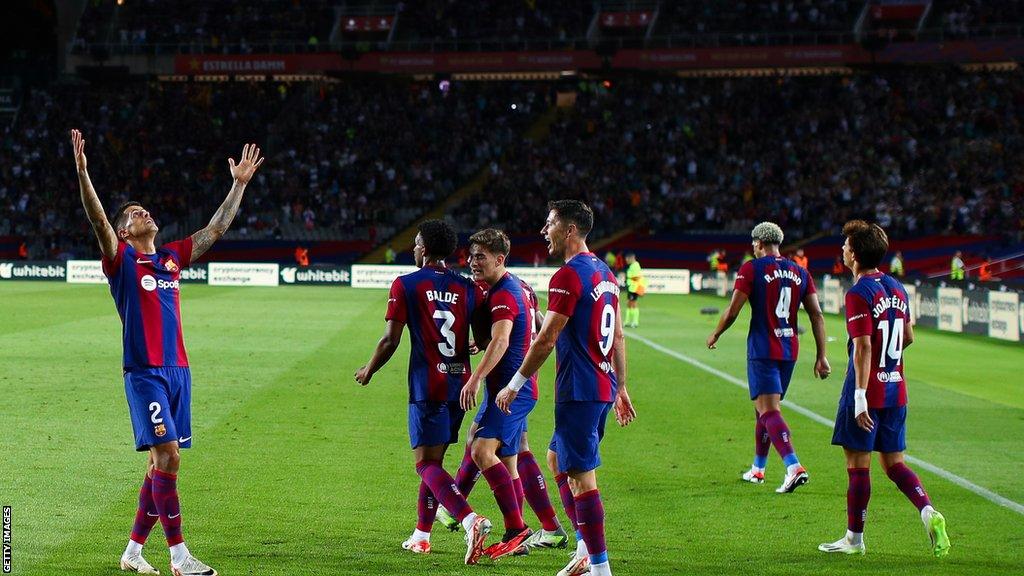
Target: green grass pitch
column 295, row 469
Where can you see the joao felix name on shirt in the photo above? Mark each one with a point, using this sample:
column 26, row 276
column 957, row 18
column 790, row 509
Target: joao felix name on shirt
column 877, row 306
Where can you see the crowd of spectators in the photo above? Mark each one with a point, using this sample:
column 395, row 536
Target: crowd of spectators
column 347, row 160
column 936, row 151
column 223, row 26
column 921, row 152
column 218, row 26
column 965, row 18
column 448, row 21
column 757, row 22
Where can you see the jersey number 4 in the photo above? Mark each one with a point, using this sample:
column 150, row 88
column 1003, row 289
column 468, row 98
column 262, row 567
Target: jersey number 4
column 785, row 299
column 447, row 346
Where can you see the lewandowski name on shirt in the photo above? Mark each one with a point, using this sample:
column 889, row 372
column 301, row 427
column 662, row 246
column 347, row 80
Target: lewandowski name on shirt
column 777, row 274
column 602, row 288
column 887, row 303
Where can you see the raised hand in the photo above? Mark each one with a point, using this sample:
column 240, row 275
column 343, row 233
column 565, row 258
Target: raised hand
column 78, row 148
column 246, row 167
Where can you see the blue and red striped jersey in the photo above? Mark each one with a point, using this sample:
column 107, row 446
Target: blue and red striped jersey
column 439, row 307
column 145, row 291
column 775, row 286
column 877, row 306
column 585, row 290
column 512, row 299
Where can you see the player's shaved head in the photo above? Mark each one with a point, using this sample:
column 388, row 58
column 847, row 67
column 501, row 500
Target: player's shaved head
column 493, row 240
column 121, row 215
column 868, row 242
column 439, row 238
column 767, row 233
column 574, row 212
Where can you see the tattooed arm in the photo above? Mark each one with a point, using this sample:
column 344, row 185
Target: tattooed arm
column 91, row 202
column 221, row 221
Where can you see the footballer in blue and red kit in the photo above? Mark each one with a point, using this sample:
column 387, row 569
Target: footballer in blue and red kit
column 876, row 306
column 586, row 291
column 438, row 306
column 872, row 411
column 775, row 287
column 583, row 327
column 157, row 381
column 509, row 299
column 144, row 282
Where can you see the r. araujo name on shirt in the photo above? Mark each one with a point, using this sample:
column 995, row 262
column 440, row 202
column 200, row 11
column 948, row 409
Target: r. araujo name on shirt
column 780, row 273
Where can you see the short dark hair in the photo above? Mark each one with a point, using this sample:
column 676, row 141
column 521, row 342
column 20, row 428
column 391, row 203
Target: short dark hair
column 493, row 240
column 439, row 238
column 122, row 214
column 868, row 242
column 575, row 212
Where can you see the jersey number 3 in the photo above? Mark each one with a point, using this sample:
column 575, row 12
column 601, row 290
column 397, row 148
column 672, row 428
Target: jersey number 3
column 447, row 347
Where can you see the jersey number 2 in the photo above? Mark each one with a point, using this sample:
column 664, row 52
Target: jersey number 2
column 447, row 347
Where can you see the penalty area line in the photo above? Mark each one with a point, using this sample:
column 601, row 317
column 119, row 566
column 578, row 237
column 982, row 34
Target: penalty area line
column 938, row 471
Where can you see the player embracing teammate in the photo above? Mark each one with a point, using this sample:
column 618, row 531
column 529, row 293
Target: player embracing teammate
column 583, row 319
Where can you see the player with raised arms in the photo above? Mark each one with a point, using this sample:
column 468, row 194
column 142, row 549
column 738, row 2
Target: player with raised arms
column 872, row 414
column 775, row 287
column 144, row 281
column 583, row 318
column 439, row 306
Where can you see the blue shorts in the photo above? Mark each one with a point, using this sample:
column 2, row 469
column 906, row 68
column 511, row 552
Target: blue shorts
column 888, row 435
column 434, row 423
column 509, row 428
column 579, row 428
column 160, row 405
column 769, row 377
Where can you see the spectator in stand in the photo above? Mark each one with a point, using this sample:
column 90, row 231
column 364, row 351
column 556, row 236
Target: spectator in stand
column 389, row 255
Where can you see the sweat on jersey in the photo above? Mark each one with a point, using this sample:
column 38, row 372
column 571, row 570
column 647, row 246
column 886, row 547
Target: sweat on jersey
column 775, row 286
column 877, row 306
column 439, row 306
column 586, row 291
column 145, row 291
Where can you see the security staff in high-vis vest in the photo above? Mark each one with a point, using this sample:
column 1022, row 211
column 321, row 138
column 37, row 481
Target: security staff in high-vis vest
column 956, row 267
column 635, row 287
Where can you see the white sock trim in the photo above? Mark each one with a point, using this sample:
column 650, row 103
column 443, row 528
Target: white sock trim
column 133, row 548
column 467, row 522
column 179, row 552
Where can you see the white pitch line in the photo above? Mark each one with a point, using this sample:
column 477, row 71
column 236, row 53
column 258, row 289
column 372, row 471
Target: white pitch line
column 959, row 481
